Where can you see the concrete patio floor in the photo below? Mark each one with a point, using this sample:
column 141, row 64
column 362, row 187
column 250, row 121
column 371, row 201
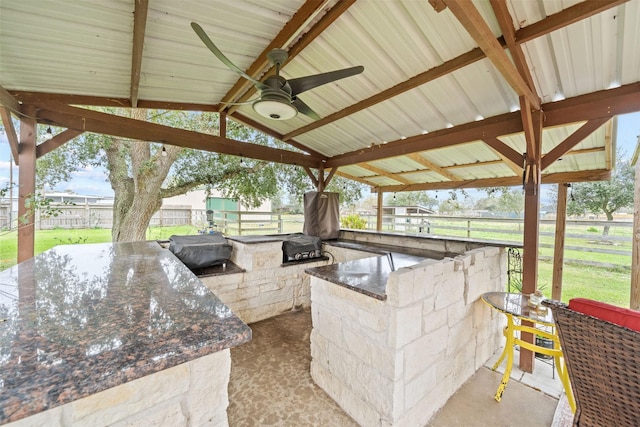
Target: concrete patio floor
column 271, row 386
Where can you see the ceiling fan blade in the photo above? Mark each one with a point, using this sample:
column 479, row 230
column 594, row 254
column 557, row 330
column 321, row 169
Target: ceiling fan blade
column 213, row 48
column 302, row 84
column 304, row 108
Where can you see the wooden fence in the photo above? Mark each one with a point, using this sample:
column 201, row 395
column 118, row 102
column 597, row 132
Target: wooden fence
column 101, row 216
column 584, row 239
column 585, row 242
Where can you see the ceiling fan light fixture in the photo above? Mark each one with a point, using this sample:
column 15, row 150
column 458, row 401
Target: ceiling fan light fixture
column 275, row 110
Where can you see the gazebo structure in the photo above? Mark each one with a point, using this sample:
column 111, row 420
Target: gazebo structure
column 454, row 93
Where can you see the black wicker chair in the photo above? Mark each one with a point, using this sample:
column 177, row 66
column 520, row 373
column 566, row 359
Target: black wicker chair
column 603, row 361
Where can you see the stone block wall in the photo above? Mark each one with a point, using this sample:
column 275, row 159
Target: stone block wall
column 341, row 254
column 429, row 243
column 396, row 362
column 266, row 288
column 191, row 394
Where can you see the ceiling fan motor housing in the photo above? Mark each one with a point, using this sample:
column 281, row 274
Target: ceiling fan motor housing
column 275, row 101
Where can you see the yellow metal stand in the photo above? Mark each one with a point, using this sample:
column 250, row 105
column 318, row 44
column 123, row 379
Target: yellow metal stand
column 512, row 339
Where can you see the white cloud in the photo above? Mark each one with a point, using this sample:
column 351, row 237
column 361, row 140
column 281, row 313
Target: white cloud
column 90, row 174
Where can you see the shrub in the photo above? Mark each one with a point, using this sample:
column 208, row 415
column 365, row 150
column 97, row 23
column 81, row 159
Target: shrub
column 353, row 221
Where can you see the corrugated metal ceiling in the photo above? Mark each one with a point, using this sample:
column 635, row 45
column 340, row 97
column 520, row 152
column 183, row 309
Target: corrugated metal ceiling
column 84, row 47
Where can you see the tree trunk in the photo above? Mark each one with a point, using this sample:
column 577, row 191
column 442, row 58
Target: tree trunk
column 605, row 232
column 136, row 177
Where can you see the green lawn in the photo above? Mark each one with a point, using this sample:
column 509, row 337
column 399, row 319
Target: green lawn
column 46, row 239
column 607, row 285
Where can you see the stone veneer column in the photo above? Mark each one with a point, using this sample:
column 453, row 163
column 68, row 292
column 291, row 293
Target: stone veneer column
column 396, row 362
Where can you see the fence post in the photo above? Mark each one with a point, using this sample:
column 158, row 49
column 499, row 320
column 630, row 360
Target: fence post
column 280, row 224
column 469, row 228
column 226, row 231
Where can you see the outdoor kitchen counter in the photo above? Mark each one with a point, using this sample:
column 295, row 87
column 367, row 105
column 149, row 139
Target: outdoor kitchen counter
column 369, row 275
column 79, row 319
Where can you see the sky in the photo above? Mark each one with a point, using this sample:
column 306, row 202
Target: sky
column 93, row 181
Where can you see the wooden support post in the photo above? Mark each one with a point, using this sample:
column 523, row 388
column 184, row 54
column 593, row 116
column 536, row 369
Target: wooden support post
column 558, row 247
column 379, row 211
column 533, row 120
column 321, row 178
column 27, row 186
column 222, row 125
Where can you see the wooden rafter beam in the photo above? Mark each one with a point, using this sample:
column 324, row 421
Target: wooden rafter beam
column 257, row 126
column 509, row 33
column 108, row 124
column 467, row 14
column 505, row 152
column 323, row 23
column 418, row 158
column 493, row 126
column 512, row 181
column 9, row 101
column 60, row 98
column 572, row 140
column 517, row 170
column 606, row 103
column 540, row 28
column 139, row 29
column 296, row 24
column 329, row 177
column 310, row 174
column 566, row 17
column 57, row 141
column 474, row 164
column 99, row 101
column 382, row 172
column 51, row 98
column 10, row 131
column 608, row 145
column 586, row 151
column 528, row 127
column 360, row 179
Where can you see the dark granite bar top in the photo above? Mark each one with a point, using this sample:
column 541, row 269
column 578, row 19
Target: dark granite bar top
column 369, row 275
column 79, row 319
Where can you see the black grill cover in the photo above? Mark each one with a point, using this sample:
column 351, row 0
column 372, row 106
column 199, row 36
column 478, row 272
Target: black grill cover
column 297, row 246
column 202, row 250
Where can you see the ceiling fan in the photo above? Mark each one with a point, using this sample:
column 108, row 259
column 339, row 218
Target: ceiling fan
column 278, row 98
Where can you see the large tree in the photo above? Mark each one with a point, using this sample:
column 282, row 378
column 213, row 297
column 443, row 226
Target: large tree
column 502, row 201
column 411, row 198
column 141, row 174
column 603, row 197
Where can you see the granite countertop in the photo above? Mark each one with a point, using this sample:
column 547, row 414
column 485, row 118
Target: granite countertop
column 79, row 319
column 369, row 276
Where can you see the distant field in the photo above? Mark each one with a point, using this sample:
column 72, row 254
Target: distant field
column 603, row 284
